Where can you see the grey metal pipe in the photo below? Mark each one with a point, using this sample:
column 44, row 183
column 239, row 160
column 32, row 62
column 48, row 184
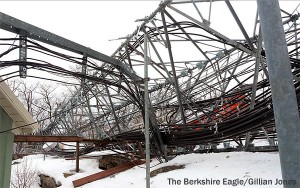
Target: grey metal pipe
column 146, row 98
column 283, row 91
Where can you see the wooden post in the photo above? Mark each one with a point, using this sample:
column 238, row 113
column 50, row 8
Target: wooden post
column 77, row 156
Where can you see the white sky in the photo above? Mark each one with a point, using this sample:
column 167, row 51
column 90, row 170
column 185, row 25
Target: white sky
column 93, row 23
column 90, row 23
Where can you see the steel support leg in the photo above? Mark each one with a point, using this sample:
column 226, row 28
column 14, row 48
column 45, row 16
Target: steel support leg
column 239, row 24
column 177, row 89
column 147, row 132
column 112, row 109
column 255, row 79
column 283, row 91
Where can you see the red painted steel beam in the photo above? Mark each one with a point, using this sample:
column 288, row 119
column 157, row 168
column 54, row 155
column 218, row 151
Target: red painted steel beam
column 106, row 173
column 34, row 138
column 37, row 138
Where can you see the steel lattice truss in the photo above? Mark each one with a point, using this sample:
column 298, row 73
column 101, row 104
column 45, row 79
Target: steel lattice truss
column 206, row 86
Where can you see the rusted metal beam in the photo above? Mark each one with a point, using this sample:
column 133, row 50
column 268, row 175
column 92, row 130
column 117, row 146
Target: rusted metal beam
column 106, row 173
column 100, row 142
column 33, row 138
column 141, row 150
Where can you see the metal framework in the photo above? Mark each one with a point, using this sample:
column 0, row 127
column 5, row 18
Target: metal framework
column 205, row 86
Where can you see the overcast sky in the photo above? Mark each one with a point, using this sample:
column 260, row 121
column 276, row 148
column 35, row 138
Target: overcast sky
column 94, row 23
column 90, row 23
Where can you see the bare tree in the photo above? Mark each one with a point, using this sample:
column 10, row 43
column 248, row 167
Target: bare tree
column 26, row 94
column 40, row 99
column 13, row 84
column 47, row 103
column 24, row 175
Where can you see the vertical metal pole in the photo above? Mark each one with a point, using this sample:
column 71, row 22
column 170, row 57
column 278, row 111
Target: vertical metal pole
column 146, row 98
column 77, row 156
column 203, row 20
column 258, row 60
column 209, row 14
column 283, row 91
column 235, row 16
column 83, row 71
column 255, row 23
column 112, row 108
column 255, row 79
column 91, row 116
column 296, row 39
column 177, row 89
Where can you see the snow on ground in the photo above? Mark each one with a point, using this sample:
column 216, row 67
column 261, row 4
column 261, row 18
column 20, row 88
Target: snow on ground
column 55, row 167
column 221, row 167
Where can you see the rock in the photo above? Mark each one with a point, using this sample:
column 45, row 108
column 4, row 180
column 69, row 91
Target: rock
column 58, row 184
column 15, row 162
column 110, row 161
column 68, row 174
column 48, row 182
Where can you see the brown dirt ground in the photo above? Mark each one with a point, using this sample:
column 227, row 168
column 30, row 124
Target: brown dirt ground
column 166, row 169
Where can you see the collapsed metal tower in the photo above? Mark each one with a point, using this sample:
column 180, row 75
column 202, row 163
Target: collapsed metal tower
column 207, row 83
